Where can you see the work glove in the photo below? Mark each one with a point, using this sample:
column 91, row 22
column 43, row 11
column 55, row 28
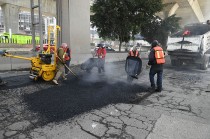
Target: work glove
column 148, row 66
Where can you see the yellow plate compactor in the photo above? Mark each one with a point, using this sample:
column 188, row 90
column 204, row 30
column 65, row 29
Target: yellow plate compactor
column 42, row 65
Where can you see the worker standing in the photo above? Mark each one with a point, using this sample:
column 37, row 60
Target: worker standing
column 156, row 61
column 101, row 52
column 67, row 59
column 61, row 53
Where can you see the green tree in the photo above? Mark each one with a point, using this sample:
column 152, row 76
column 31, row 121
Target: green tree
column 159, row 29
column 122, row 19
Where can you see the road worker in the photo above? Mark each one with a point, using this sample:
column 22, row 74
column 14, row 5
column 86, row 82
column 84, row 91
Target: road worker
column 61, row 53
column 134, row 52
column 67, row 59
column 156, row 61
column 101, row 53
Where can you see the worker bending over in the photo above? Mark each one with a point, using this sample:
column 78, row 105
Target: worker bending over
column 133, row 52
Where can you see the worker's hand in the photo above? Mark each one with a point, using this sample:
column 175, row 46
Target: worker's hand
column 148, row 66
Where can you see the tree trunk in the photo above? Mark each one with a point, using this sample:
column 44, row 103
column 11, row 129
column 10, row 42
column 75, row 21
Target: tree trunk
column 120, row 46
column 164, row 40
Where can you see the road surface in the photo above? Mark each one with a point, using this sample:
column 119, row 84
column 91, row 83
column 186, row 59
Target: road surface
column 106, row 106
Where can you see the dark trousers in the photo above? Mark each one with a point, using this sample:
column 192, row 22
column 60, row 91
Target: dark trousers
column 101, row 65
column 67, row 64
column 159, row 73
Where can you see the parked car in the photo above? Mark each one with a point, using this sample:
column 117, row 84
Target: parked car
column 107, row 46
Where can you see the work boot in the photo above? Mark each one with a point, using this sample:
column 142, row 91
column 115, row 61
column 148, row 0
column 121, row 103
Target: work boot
column 64, row 78
column 151, row 89
column 55, row 82
column 88, row 71
column 158, row 90
column 67, row 73
column 103, row 69
column 99, row 71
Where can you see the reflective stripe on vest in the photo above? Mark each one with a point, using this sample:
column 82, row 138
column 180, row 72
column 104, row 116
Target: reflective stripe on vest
column 159, row 55
column 136, row 54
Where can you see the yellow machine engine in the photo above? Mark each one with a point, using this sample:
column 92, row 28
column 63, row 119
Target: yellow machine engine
column 42, row 65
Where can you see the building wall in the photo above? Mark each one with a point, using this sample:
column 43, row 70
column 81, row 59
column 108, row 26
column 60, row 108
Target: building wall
column 25, row 23
column 49, row 6
column 74, row 18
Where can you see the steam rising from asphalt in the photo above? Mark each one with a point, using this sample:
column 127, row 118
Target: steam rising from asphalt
column 111, row 74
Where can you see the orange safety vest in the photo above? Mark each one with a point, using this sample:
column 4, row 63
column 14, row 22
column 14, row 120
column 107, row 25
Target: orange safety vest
column 132, row 53
column 67, row 56
column 159, row 55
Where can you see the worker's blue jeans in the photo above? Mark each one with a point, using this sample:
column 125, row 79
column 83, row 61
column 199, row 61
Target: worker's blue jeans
column 159, row 78
column 101, row 64
column 67, row 64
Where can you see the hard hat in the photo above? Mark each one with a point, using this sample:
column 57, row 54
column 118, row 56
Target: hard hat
column 64, row 45
column 155, row 43
column 134, row 48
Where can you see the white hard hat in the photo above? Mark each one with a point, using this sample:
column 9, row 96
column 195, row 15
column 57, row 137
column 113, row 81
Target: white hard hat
column 134, row 48
column 64, row 45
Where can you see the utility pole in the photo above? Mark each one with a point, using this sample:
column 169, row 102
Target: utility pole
column 34, row 24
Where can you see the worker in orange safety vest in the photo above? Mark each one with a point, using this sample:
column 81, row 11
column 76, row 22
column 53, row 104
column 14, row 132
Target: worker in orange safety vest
column 156, row 61
column 60, row 61
column 133, row 52
column 67, row 55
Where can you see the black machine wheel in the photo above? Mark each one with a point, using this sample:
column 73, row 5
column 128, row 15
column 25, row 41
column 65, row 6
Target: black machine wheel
column 205, row 63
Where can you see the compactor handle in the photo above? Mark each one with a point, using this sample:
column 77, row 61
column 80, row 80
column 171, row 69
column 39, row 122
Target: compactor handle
column 3, row 52
column 6, row 54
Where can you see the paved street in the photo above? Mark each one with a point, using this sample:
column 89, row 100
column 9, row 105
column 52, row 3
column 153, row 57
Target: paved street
column 106, row 106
